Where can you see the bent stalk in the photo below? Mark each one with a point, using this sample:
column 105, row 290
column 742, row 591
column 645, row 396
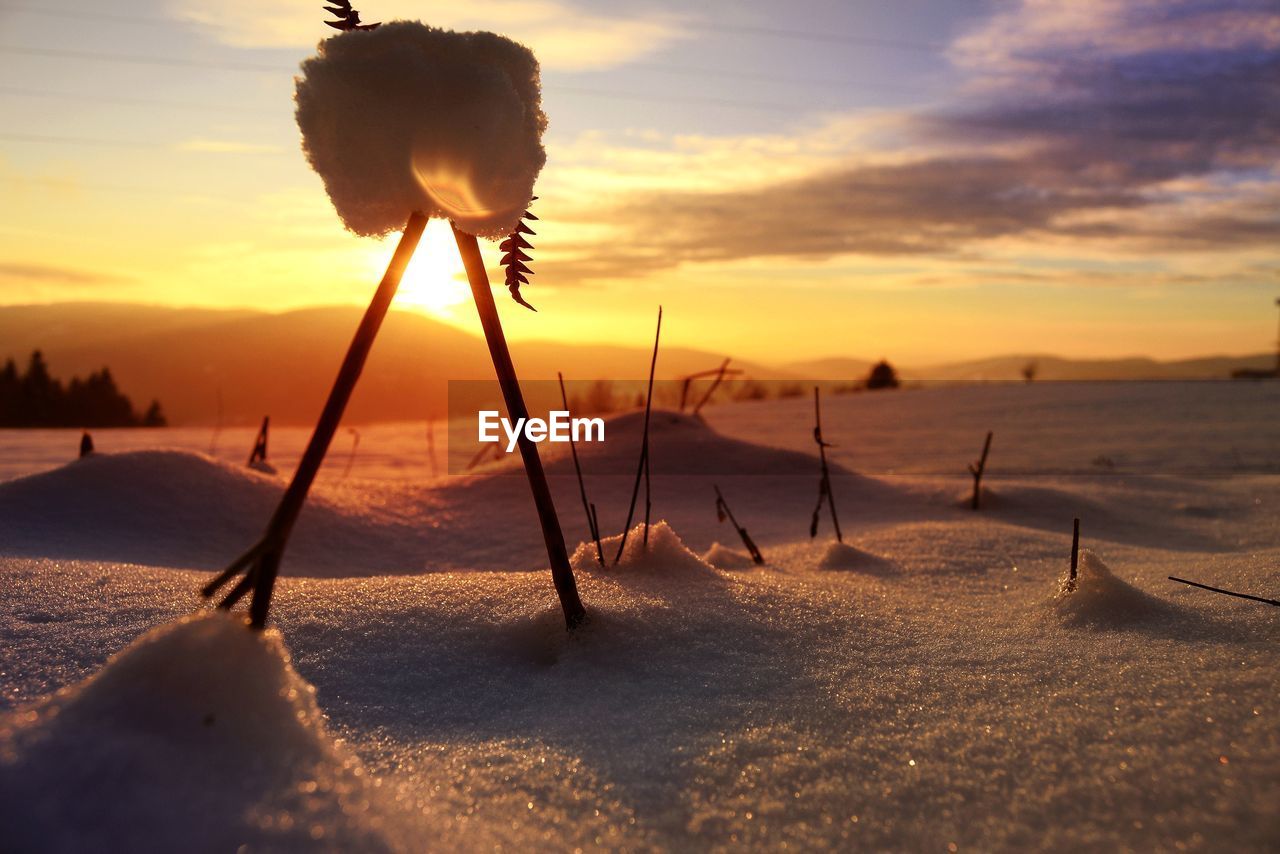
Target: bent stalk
column 561, row 572
column 262, row 562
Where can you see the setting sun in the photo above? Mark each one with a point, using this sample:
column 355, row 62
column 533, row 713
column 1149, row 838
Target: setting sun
column 434, row 281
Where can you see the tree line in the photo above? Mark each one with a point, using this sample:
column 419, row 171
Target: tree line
column 34, row 398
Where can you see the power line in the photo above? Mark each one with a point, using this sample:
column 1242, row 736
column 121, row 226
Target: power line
column 168, row 192
column 828, row 38
column 44, row 139
column 716, row 28
column 75, row 14
column 97, row 142
column 141, row 59
column 117, row 99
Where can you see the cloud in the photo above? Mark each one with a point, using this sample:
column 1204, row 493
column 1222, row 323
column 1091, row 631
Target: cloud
column 1140, row 126
column 563, row 38
column 45, row 274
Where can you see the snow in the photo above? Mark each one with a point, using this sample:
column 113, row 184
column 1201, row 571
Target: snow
column 198, row 730
column 409, row 118
column 842, row 556
column 950, row 695
column 661, row 553
column 1097, row 597
column 724, row 557
column 177, row 508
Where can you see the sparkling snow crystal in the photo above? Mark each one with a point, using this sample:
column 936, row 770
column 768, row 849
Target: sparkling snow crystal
column 411, row 118
column 200, row 730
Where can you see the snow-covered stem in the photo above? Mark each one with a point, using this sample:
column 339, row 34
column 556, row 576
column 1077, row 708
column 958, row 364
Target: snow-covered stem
column 643, row 467
column 1225, row 592
column 587, row 506
column 561, row 572
column 825, row 493
column 976, row 469
column 722, row 509
column 262, row 561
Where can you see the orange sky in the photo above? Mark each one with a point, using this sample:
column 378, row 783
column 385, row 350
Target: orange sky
column 924, row 183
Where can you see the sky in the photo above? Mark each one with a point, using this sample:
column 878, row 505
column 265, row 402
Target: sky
column 924, row 180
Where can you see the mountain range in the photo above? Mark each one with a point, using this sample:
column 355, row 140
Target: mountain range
column 233, row 366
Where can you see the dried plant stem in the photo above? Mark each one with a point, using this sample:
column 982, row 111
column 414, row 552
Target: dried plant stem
column 825, row 494
column 561, row 572
column 351, row 457
column 722, row 509
column 262, row 561
column 1075, row 554
column 715, row 384
column 648, row 500
column 259, row 452
column 642, row 468
column 1225, row 592
column 976, row 469
column 431, row 448
column 587, row 506
column 719, row 373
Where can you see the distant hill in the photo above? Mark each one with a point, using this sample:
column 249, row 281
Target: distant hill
column 241, row 365
column 836, row 369
column 1009, row 368
column 238, row 365
column 1058, row 368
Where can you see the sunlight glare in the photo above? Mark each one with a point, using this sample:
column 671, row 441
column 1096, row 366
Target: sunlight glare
column 435, row 279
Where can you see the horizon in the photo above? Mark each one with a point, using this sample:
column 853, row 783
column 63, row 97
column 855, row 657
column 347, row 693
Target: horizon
column 746, row 356
column 921, row 180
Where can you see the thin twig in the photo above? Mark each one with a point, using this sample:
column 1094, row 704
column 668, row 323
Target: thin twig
column 582, row 487
column 1075, row 554
column 724, row 366
column 723, row 512
column 259, row 452
column 686, row 381
column 648, row 502
column 1225, row 592
column 566, row 586
column 976, row 469
column 262, row 562
column 642, row 466
column 431, row 448
column 825, row 493
column 355, row 443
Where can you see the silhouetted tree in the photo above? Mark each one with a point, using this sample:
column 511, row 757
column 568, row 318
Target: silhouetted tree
column 154, row 416
column 882, row 376
column 36, row 399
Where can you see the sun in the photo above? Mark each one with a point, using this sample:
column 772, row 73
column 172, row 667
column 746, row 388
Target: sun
column 435, row 280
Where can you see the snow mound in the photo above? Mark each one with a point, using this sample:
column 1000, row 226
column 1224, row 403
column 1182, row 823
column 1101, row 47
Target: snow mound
column 200, row 729
column 175, row 508
column 847, row 558
column 665, row 554
column 1100, row 598
column 264, row 467
column 682, row 445
column 412, row 118
column 723, row 557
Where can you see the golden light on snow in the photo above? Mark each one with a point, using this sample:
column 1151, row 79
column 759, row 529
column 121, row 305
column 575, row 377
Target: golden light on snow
column 435, row 280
